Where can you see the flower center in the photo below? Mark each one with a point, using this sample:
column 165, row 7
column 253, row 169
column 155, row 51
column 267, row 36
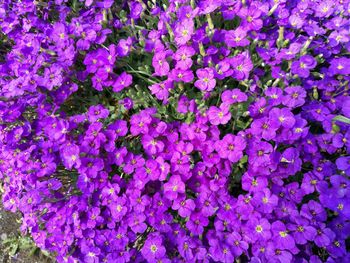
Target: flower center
column 154, row 248
column 258, row 228
column 283, row 233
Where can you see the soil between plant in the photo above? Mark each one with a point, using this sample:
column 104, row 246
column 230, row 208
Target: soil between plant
column 9, row 227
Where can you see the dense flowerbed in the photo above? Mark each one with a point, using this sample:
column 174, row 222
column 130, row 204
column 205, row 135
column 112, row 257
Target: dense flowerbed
column 178, row 131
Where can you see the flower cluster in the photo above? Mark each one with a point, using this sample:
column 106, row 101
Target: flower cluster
column 178, row 131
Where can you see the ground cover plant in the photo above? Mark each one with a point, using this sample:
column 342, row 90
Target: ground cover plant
column 178, row 131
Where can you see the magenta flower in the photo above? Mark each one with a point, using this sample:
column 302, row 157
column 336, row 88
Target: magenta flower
column 231, row 147
column 265, row 128
column 123, row 81
column 71, row 157
column 183, row 31
column 184, row 206
column 97, row 112
column 174, row 187
column 152, row 145
column 179, row 75
column 161, row 66
column 220, row 115
column 183, row 57
column 233, row 96
column 139, row 124
column 241, row 65
column 197, row 223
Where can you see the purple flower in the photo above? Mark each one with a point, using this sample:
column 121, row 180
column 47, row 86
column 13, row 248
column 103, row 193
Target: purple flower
column 251, row 18
column 97, row 112
column 303, row 66
column 118, row 208
column 127, row 103
column 231, row 147
column 52, row 77
column 253, row 183
column 282, row 117
column 282, row 236
column 160, row 172
column 185, row 105
column 97, row 83
column 153, row 247
column 197, row 223
column 88, row 35
column 233, row 96
column 179, row 75
column 183, row 31
column 236, row 38
column 295, row 96
column 258, row 229
column 264, row 201
column 341, row 184
column 123, row 81
column 136, row 10
column 137, row 223
column 161, row 66
column 290, row 161
column 265, row 128
column 70, row 156
column 223, row 70
column 324, row 236
column 296, row 21
column 161, row 90
column 241, row 65
column 238, row 245
column 273, row 251
column 139, row 123
column 91, row 166
column 324, row 9
column 340, row 66
column 313, row 211
column 173, row 187
column 346, row 108
column 343, row 163
column 183, row 57
column 184, row 206
column 152, row 145
column 220, row 115
column 93, row 252
column 259, row 154
column 206, row 81
column 123, row 47
column 302, row 231
column 94, row 217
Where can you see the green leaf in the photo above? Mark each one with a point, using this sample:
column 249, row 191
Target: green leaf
column 244, row 159
column 13, row 250
column 341, row 119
